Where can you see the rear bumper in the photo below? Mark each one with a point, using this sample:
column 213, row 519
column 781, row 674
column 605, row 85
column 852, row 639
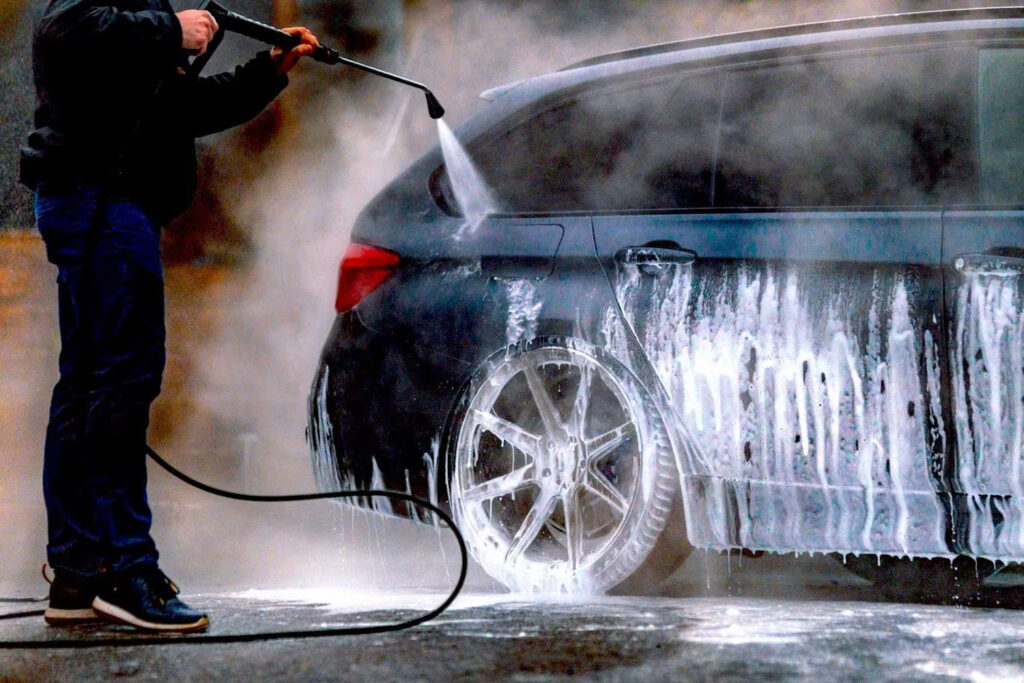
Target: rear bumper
column 377, row 410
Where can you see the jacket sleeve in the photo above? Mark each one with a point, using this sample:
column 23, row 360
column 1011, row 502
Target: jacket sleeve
column 229, row 99
column 94, row 27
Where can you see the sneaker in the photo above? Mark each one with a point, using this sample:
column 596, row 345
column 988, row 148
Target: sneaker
column 146, row 599
column 70, row 600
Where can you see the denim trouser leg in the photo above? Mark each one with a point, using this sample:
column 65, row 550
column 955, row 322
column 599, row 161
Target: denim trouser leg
column 110, row 297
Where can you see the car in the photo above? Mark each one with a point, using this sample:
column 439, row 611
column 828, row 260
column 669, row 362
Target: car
column 759, row 291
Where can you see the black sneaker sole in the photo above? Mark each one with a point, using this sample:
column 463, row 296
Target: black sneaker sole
column 123, row 616
column 55, row 616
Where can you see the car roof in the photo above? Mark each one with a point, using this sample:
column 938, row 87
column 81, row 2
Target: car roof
column 782, row 36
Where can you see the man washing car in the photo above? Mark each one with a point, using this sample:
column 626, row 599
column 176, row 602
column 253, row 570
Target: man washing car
column 111, row 159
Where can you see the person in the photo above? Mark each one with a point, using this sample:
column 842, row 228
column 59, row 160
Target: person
column 112, row 158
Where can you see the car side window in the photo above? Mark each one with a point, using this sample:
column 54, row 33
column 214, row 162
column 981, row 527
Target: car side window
column 674, row 162
column 1001, row 125
column 891, row 129
column 611, row 149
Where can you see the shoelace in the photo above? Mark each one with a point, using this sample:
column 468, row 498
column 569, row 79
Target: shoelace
column 160, row 587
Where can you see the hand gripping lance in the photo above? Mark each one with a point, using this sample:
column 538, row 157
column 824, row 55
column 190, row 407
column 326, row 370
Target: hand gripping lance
column 236, row 23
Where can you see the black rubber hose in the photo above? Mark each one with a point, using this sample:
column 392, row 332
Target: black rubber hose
column 181, row 639
column 22, row 615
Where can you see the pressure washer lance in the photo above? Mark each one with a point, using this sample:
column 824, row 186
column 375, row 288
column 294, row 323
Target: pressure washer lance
column 236, row 23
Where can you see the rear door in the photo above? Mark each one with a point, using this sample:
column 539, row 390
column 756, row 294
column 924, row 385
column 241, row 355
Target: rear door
column 790, row 298
column 983, row 253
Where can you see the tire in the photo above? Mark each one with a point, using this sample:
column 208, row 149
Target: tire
column 561, row 474
column 933, row 580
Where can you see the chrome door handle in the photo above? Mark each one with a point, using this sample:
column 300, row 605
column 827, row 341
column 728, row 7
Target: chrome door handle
column 989, row 264
column 655, row 260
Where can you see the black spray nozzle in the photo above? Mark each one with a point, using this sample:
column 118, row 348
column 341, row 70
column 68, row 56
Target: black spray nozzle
column 236, row 23
column 433, row 106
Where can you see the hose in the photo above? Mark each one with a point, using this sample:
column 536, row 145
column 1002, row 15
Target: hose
column 202, row 639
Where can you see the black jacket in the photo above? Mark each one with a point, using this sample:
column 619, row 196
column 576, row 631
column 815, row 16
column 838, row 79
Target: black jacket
column 115, row 106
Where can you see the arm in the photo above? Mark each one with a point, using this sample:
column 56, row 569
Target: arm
column 229, row 99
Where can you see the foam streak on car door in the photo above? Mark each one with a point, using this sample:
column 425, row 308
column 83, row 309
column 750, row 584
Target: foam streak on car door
column 801, row 364
column 985, row 297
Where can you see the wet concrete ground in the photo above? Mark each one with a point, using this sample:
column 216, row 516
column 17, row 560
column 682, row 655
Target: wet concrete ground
column 612, row 639
column 773, row 618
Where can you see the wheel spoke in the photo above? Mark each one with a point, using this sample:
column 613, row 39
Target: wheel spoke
column 599, row 485
column 499, row 486
column 573, row 508
column 602, row 445
column 542, row 397
column 509, row 432
column 582, row 403
column 531, row 526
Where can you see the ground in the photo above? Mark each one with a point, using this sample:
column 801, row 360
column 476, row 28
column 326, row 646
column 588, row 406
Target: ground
column 772, row 618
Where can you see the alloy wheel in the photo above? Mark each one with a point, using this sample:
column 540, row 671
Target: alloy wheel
column 554, row 466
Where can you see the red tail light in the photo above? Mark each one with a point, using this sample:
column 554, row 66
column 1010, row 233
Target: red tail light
column 363, row 270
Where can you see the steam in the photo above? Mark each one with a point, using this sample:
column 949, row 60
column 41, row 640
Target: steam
column 302, row 209
column 243, row 365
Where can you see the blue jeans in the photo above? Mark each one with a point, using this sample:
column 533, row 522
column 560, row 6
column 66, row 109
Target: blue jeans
column 111, row 313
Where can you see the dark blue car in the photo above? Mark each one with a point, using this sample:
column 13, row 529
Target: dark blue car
column 759, row 291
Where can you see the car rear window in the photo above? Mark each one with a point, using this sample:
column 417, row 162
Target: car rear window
column 1001, row 125
column 877, row 130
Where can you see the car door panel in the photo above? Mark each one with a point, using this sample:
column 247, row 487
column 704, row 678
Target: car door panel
column 803, row 370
